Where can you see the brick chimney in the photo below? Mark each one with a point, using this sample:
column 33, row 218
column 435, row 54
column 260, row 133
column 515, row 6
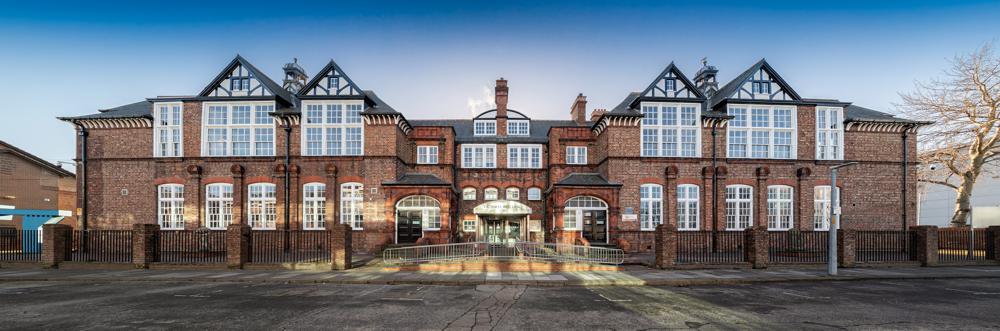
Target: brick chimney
column 596, row 114
column 501, row 97
column 579, row 110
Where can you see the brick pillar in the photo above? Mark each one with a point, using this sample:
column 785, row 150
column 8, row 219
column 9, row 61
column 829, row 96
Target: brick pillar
column 145, row 244
column 994, row 239
column 237, row 245
column 755, row 244
column 670, row 195
column 925, row 244
column 846, row 240
column 340, row 246
column 760, row 196
column 55, row 244
column 193, row 217
column 665, row 244
column 239, row 194
column 332, row 196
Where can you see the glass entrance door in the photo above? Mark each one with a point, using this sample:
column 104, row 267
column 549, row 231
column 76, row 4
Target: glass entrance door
column 408, row 225
column 595, row 226
column 502, row 230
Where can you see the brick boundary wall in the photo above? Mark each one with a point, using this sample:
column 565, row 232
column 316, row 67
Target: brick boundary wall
column 55, row 244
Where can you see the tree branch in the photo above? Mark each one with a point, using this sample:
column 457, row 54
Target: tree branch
column 939, row 182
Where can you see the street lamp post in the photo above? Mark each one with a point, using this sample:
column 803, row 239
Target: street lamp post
column 831, row 263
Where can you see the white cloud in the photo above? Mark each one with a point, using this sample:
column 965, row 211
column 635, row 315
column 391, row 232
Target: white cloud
column 484, row 102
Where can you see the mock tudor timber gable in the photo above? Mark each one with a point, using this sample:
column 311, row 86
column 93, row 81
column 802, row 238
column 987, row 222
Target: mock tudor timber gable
column 310, row 153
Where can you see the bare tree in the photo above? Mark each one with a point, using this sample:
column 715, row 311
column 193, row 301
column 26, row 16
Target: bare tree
column 965, row 106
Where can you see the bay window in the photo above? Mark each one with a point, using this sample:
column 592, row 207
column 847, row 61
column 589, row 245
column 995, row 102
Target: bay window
column 238, row 129
column 768, row 133
column 332, row 128
column 671, row 130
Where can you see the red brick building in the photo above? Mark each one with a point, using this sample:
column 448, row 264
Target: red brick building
column 312, row 152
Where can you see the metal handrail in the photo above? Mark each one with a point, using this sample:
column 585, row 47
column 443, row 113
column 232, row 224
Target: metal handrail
column 516, row 250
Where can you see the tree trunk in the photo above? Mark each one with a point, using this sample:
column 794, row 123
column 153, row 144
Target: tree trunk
column 963, row 203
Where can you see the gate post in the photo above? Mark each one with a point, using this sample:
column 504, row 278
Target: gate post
column 926, row 243
column 145, row 244
column 755, row 245
column 665, row 244
column 993, row 246
column 340, row 246
column 55, row 244
column 846, row 243
column 237, row 245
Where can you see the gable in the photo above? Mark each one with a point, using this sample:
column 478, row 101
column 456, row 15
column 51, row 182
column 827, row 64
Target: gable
column 671, row 83
column 762, row 83
column 331, row 81
column 238, row 80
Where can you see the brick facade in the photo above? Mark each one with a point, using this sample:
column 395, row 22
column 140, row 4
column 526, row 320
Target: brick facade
column 122, row 174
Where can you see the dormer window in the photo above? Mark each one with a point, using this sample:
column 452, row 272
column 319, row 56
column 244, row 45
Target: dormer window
column 485, row 128
column 762, row 87
column 670, row 84
column 239, row 84
column 518, row 128
column 333, row 83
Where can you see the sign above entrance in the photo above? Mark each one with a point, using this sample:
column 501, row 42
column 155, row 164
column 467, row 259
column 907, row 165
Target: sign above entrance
column 502, row 207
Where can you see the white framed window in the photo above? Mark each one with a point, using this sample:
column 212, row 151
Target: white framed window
column 237, row 129
column 779, row 207
column 168, row 136
column 429, row 208
column 739, row 207
column 469, row 225
column 761, row 87
column 576, row 154
column 469, row 194
column 650, row 206
column 575, row 207
column 671, row 129
column 822, row 202
column 479, row 156
column 518, row 127
column 829, row 133
column 484, row 127
column 513, row 193
column 352, row 199
column 687, row 207
column 670, row 84
column 170, row 213
column 534, row 194
column 261, row 206
column 524, row 156
column 490, row 193
column 427, row 154
column 761, row 132
column 218, row 205
column 314, row 206
column 332, row 128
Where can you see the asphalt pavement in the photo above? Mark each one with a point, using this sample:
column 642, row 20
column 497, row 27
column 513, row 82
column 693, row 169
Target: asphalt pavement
column 952, row 304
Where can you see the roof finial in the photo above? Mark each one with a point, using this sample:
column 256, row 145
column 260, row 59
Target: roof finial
column 704, row 61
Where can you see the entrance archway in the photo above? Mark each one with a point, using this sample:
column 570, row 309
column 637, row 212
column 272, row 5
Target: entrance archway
column 588, row 214
column 414, row 214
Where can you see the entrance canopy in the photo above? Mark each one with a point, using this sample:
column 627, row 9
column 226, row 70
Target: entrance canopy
column 502, row 207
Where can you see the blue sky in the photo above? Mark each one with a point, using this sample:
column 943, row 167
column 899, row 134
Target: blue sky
column 432, row 59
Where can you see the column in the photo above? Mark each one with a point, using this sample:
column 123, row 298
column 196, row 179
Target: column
column 239, row 194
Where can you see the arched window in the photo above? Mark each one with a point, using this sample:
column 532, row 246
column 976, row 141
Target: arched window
column 469, row 193
column 429, row 207
column 490, row 193
column 779, row 207
column 352, row 199
column 821, row 207
column 739, row 207
column 218, row 205
column 513, row 194
column 170, row 213
column 573, row 211
column 534, row 194
column 314, row 206
column 650, row 206
column 687, row 207
column 261, row 204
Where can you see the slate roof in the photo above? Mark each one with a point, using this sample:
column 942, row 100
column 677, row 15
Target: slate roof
column 585, row 179
column 418, row 179
column 378, row 106
column 487, row 114
column 862, row 114
column 133, row 110
column 538, row 133
column 624, row 108
column 59, row 171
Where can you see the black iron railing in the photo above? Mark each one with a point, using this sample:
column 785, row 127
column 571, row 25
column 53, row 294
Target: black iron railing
column 883, row 246
column 955, row 245
column 107, row 246
column 797, row 247
column 707, row 247
column 192, row 246
column 293, row 246
column 20, row 245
